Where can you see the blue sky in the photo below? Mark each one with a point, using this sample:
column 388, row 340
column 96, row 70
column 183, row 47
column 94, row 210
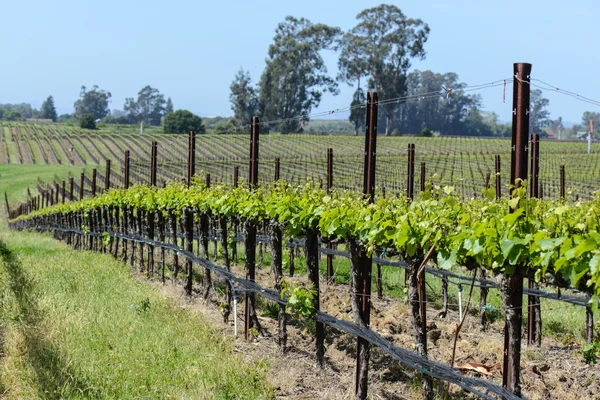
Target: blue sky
column 191, row 50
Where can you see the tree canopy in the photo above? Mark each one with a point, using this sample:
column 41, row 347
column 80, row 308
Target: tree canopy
column 48, row 111
column 539, row 116
column 93, row 102
column 149, row 106
column 182, row 121
column 381, row 46
column 295, row 76
column 243, row 99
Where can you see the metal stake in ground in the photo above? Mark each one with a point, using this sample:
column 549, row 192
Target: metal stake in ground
column 361, row 263
column 153, row 163
column 127, row 164
column 329, row 187
column 498, row 181
column 562, row 182
column 94, row 177
column 534, row 310
column 410, row 176
column 191, row 157
column 81, row 183
column 71, row 183
column 511, row 286
column 250, row 240
column 107, row 176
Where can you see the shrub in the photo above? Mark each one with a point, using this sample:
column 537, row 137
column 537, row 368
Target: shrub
column 182, row 121
column 425, row 133
column 87, row 121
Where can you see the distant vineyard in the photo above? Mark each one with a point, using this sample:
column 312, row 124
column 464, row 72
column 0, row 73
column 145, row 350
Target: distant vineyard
column 466, row 163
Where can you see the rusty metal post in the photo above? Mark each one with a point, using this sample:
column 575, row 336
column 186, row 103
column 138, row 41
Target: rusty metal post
column 191, row 157
column 94, row 177
column 153, row 166
column 534, row 311
column 236, row 176
column 410, row 177
column 363, row 287
column 329, row 169
column 254, row 137
column 422, row 176
column 127, row 165
column 153, row 163
column 63, row 191
column 107, row 176
column 71, row 183
column 330, row 272
column 250, row 243
column 81, row 183
column 535, row 166
column 277, row 168
column 370, row 146
column 498, row 181
column 562, row 182
column 207, row 180
column 512, row 285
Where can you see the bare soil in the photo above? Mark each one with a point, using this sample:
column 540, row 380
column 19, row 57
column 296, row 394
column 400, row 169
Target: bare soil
column 553, row 371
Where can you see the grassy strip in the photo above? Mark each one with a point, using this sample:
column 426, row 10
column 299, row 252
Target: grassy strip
column 76, row 325
column 14, row 179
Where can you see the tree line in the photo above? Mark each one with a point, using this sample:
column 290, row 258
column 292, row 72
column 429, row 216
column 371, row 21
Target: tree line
column 150, row 107
column 375, row 55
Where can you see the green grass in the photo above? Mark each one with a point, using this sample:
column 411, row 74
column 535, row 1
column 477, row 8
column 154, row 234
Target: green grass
column 77, row 325
column 14, row 179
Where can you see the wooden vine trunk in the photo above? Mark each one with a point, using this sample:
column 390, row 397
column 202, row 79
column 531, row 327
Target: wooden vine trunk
column 204, row 225
column 483, row 303
column 276, row 267
column 250, row 265
column 311, row 249
column 361, row 307
column 417, row 306
column 132, row 229
column 511, row 288
column 444, row 311
column 225, row 251
column 125, row 231
column 151, row 227
column 189, row 246
column 161, row 238
column 173, row 223
column 140, row 219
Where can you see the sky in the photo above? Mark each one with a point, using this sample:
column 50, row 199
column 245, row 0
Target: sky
column 191, row 50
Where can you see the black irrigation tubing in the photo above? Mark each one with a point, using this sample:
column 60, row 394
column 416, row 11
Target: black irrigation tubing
column 456, row 278
column 462, row 280
column 413, row 360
